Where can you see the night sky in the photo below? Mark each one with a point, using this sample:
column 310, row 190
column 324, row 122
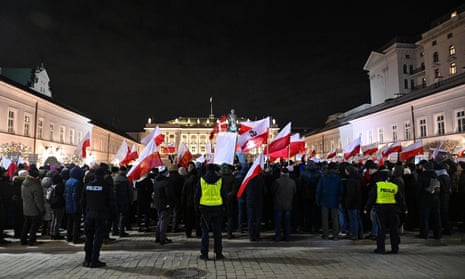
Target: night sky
column 125, row 62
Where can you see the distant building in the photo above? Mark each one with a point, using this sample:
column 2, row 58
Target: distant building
column 40, row 129
column 417, row 90
column 193, row 131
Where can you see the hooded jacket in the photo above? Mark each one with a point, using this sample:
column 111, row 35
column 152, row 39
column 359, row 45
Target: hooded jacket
column 73, row 190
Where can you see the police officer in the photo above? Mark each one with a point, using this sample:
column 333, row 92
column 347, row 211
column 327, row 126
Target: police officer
column 210, row 196
column 98, row 204
column 386, row 199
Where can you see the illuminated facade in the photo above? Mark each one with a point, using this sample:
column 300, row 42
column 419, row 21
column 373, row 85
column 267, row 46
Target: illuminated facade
column 417, row 93
column 193, row 131
column 37, row 128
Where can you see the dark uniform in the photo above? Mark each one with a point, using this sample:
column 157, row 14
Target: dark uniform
column 98, row 204
column 210, row 197
column 386, row 200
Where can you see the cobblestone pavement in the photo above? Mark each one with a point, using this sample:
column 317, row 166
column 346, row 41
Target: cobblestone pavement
column 305, row 256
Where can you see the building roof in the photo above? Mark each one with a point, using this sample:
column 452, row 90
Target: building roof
column 66, row 106
column 344, row 118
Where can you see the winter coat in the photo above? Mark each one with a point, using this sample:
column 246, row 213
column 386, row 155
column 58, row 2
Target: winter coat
column 329, row 190
column 284, row 189
column 73, row 190
column 33, row 197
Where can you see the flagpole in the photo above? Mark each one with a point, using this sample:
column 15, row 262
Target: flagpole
column 211, row 105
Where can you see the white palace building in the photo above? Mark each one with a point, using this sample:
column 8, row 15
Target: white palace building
column 417, row 90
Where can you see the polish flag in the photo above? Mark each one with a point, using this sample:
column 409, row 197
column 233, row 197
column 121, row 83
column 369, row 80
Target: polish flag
column 83, row 145
column 369, row 149
column 395, row 147
column 220, row 126
column 148, row 159
column 155, row 135
column 255, row 169
column 438, row 151
column 184, row 155
column 225, row 148
column 168, row 149
column 122, row 152
column 313, row 153
column 352, row 149
column 131, row 156
column 296, row 146
column 282, row 140
column 412, row 150
column 252, row 134
column 331, row 154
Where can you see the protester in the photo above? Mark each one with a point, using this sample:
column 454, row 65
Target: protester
column 328, row 196
column 284, row 189
column 73, row 189
column 163, row 191
column 57, row 205
column 33, row 206
column 4, row 197
column 429, row 204
column 191, row 216
column 124, row 197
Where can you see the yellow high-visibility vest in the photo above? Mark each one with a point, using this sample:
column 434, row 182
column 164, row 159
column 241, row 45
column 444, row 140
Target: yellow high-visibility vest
column 386, row 191
column 211, row 193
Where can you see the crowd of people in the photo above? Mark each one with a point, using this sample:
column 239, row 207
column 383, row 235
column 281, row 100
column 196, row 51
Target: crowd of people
column 334, row 199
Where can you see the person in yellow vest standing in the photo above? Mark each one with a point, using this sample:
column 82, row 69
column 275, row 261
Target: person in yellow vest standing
column 388, row 202
column 210, row 197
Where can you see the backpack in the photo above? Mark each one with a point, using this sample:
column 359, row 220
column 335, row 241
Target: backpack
column 434, row 185
column 51, row 196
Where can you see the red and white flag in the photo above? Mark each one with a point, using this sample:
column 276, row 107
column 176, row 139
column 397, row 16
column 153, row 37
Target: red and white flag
column 225, row 148
column 369, row 149
column 252, row 134
column 131, row 156
column 255, row 169
column 296, row 146
column 184, row 155
column 331, row 154
column 282, row 140
column 83, row 145
column 352, row 149
column 412, row 150
column 220, row 126
column 122, row 152
column 394, row 147
column 169, row 149
column 155, row 135
column 148, row 159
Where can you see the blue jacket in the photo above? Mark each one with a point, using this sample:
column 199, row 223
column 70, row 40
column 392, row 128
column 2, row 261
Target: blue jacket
column 329, row 190
column 73, row 189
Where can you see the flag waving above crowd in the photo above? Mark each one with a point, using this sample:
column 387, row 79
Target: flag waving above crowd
column 282, row 140
column 155, row 135
column 352, row 149
column 83, row 145
column 253, row 134
column 148, row 159
column 296, row 146
column 255, row 169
